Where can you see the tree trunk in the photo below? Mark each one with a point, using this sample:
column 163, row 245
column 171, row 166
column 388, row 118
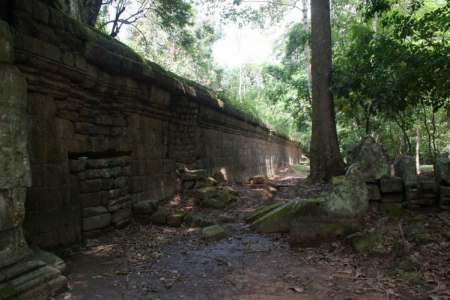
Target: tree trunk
column 306, row 49
column 325, row 157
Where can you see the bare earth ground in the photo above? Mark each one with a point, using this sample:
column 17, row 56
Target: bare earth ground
column 157, row 262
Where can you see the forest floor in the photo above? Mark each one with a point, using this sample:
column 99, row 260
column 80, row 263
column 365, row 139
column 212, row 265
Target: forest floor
column 166, row 263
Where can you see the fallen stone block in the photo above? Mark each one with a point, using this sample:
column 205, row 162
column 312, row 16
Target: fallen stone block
column 392, row 184
column 402, row 248
column 385, row 206
column 336, row 213
column 193, row 201
column 212, row 203
column 175, row 219
column 122, row 223
column 411, row 264
column 278, row 220
column 146, row 207
column 194, row 220
column 263, row 211
column 366, row 242
column 231, row 191
column 213, row 232
column 160, row 217
column 207, row 192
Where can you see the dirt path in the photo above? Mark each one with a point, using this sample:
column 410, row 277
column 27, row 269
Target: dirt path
column 153, row 262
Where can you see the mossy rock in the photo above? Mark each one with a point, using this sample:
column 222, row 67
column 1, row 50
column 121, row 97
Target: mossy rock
column 378, row 252
column 402, row 248
column 413, row 230
column 224, row 220
column 231, row 191
column 433, row 224
column 337, row 180
column 194, row 220
column 206, row 192
column 446, row 235
column 411, row 264
column 382, row 220
column 160, row 217
column 416, row 219
column 261, row 212
column 424, row 239
column 175, row 219
column 367, row 241
column 278, row 220
column 213, row 232
column 411, row 278
column 212, row 203
column 397, row 211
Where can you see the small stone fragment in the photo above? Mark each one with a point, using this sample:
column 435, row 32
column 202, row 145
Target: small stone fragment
column 411, row 264
column 212, row 203
column 213, row 232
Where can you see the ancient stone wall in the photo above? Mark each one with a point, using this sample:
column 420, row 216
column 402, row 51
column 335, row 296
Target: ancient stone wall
column 106, row 128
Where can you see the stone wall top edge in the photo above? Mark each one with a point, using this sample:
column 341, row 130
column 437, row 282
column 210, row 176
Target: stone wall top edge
column 114, row 57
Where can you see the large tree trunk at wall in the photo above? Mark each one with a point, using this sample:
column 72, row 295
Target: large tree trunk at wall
column 85, row 11
column 306, row 49
column 325, row 157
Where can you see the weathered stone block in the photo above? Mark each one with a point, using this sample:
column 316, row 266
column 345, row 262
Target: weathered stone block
column 213, row 232
column 176, row 219
column 95, row 222
column 367, row 241
column 146, row 207
column 278, row 220
column 212, row 203
column 311, row 233
column 392, row 184
column 263, row 211
column 160, row 217
column 194, row 174
column 207, row 192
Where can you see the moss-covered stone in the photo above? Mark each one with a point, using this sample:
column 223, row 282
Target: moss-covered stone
column 206, row 192
column 278, row 220
column 213, row 232
column 397, row 210
column 337, row 180
column 175, row 219
column 416, row 219
column 194, row 220
column 411, row 264
column 160, row 217
column 402, row 248
column 367, row 241
column 224, row 220
column 261, row 212
column 433, row 224
column 212, row 203
column 413, row 230
column 378, row 252
column 424, row 239
column 446, row 235
column 231, row 191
